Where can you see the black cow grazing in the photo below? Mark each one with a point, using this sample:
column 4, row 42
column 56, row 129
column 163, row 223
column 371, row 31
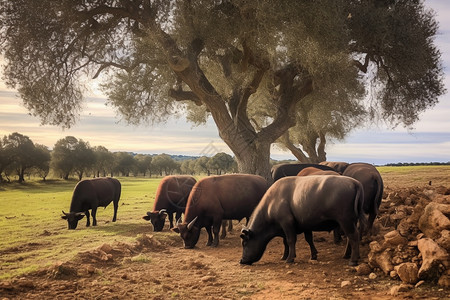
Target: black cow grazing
column 338, row 166
column 295, row 205
column 217, row 198
column 171, row 197
column 91, row 194
column 372, row 183
column 283, row 170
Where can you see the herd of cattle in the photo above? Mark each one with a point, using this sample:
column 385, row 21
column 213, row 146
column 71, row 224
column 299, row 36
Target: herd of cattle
column 303, row 198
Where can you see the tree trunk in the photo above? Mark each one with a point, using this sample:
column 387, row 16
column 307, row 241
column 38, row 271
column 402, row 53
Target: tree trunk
column 255, row 159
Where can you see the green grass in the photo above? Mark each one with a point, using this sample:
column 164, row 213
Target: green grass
column 34, row 235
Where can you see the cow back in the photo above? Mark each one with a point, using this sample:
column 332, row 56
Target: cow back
column 173, row 192
column 95, row 192
column 309, row 199
column 233, row 196
column 283, row 170
column 338, row 166
column 371, row 181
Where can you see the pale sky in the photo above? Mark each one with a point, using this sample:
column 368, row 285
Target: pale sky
column 378, row 144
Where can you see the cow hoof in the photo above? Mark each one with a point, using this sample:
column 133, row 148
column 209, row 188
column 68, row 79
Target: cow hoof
column 352, row 263
column 290, row 261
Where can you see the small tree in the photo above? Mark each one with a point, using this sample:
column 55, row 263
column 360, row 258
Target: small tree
column 42, row 165
column 221, row 162
column 143, row 164
column 124, row 163
column 5, row 157
column 104, row 161
column 23, row 154
column 164, row 163
column 84, row 158
column 201, row 165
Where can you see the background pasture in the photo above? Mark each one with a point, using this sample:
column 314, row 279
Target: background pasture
column 33, row 235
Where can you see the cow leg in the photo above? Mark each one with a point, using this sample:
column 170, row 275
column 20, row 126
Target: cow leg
column 370, row 221
column 170, row 217
column 224, row 229
column 94, row 219
column 116, row 206
column 337, row 238
column 291, row 239
column 310, row 241
column 230, row 225
column 352, row 248
column 286, row 249
column 88, row 221
column 210, row 238
column 216, row 230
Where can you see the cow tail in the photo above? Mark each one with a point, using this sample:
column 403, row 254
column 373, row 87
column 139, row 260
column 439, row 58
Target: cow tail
column 379, row 195
column 358, row 206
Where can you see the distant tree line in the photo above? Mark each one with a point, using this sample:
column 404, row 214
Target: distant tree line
column 419, row 164
column 70, row 156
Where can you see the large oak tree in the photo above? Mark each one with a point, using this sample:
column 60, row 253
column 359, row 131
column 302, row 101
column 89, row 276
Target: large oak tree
column 257, row 67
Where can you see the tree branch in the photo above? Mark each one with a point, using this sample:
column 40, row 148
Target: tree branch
column 297, row 152
column 180, row 95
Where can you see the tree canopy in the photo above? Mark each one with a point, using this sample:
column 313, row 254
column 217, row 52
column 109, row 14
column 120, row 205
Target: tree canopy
column 258, row 68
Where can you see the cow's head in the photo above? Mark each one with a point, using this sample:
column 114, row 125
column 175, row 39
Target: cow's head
column 157, row 218
column 252, row 247
column 188, row 232
column 72, row 218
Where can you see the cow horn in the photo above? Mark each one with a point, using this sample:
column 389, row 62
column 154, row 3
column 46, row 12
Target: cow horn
column 162, row 211
column 191, row 224
column 64, row 213
column 79, row 214
column 178, row 222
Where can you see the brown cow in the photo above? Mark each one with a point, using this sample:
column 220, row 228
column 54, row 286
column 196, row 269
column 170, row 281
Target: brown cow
column 372, row 183
column 171, row 197
column 217, row 198
column 316, row 171
column 339, row 166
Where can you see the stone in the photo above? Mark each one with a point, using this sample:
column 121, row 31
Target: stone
column 396, row 289
column 363, row 269
column 444, row 280
column 373, row 276
column 434, row 219
column 419, row 283
column 393, row 274
column 375, row 247
column 105, row 248
column 381, row 260
column 345, row 283
column 208, row 278
column 393, row 238
column 407, row 272
column 444, row 240
column 432, row 257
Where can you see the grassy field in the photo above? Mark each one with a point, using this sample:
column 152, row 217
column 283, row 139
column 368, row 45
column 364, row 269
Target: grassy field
column 33, row 235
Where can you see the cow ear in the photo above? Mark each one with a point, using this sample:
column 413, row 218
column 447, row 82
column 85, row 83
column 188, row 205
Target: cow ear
column 64, row 217
column 147, row 218
column 176, row 229
column 163, row 215
column 79, row 216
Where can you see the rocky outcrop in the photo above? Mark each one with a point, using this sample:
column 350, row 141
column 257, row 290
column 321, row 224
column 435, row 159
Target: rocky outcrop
column 415, row 240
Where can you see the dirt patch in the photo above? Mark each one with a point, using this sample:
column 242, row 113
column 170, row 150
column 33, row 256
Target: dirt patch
column 161, row 269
